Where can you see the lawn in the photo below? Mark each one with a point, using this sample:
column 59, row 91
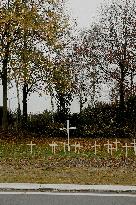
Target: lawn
column 17, row 164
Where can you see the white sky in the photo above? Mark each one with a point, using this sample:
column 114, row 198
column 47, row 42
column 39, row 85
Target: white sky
column 82, row 10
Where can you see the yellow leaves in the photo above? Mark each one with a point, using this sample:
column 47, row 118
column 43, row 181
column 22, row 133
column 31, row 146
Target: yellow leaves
column 35, row 23
column 22, row 17
column 32, row 19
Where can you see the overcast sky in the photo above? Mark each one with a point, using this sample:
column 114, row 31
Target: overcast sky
column 84, row 11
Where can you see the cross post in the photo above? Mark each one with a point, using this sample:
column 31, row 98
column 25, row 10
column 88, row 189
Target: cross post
column 126, row 146
column 108, row 146
column 112, row 148
column 116, row 143
column 134, row 144
column 31, row 146
column 95, row 147
column 65, row 144
column 53, row 146
column 68, row 128
column 77, row 146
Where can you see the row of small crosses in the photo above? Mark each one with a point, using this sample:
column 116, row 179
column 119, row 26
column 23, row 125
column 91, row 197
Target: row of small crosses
column 77, row 147
column 110, row 147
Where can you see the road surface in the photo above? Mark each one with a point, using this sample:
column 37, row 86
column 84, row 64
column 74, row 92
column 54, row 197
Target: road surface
column 45, row 198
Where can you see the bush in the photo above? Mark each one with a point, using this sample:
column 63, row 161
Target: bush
column 99, row 121
column 43, row 124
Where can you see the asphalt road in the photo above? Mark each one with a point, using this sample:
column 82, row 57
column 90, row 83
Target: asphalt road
column 66, row 199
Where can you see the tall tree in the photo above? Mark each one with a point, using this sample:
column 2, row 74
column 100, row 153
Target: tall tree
column 53, row 27
column 118, row 47
column 8, row 35
column 35, row 27
column 62, row 78
column 86, row 65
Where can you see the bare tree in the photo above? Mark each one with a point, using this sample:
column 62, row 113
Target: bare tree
column 118, row 45
column 86, row 65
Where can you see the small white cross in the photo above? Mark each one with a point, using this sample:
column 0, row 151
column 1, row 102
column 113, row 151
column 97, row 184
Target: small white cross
column 108, row 146
column 31, row 145
column 116, row 143
column 126, row 146
column 134, row 144
column 95, row 147
column 64, row 146
column 64, row 143
column 112, row 148
column 135, row 150
column 53, row 146
column 77, row 146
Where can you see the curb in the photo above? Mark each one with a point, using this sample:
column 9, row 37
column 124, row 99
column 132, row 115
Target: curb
column 65, row 187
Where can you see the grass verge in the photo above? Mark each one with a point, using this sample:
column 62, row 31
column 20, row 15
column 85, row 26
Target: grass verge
column 18, row 165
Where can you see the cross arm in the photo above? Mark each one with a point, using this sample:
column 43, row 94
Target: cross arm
column 62, row 128
column 72, row 128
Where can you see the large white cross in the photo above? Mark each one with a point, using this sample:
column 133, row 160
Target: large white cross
column 134, row 144
column 68, row 128
column 116, row 143
column 31, row 145
column 95, row 147
column 126, row 146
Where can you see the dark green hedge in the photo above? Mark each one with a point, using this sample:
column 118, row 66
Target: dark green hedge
column 103, row 120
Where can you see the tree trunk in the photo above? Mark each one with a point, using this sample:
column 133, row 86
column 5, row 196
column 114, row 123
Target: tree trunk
column 4, row 79
column 81, row 96
column 122, row 94
column 62, row 109
column 25, row 92
column 81, row 102
column 52, row 105
column 131, row 82
column 4, row 83
column 25, row 86
column 18, row 102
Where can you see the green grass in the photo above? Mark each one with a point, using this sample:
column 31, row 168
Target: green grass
column 17, row 164
column 18, row 151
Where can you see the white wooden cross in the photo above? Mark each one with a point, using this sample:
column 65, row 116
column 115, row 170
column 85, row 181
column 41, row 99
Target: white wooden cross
column 68, row 128
column 95, row 147
column 76, row 146
column 126, row 146
column 116, row 143
column 31, row 145
column 112, row 148
column 134, row 144
column 64, row 146
column 53, row 146
column 108, row 146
